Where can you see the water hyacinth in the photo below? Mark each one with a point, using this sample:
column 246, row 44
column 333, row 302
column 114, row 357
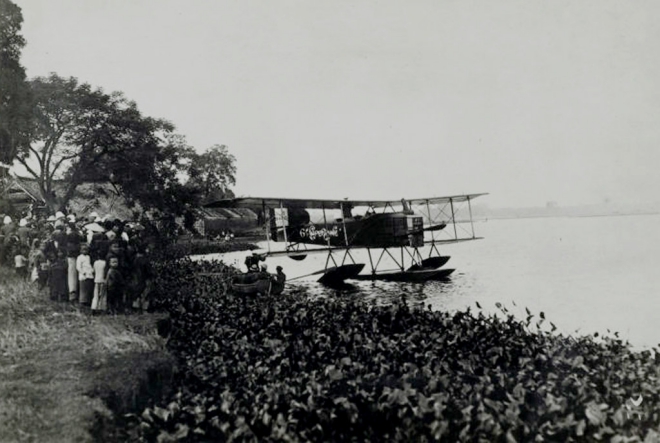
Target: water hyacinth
column 293, row 368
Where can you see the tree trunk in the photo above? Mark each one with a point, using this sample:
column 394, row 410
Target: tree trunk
column 51, row 202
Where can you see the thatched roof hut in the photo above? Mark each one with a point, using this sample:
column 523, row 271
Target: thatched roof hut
column 22, row 193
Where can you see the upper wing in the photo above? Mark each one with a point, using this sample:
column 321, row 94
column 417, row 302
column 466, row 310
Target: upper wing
column 269, row 202
column 452, row 212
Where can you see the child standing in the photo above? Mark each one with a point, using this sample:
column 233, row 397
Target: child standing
column 115, row 284
column 85, row 275
column 100, row 300
column 42, row 264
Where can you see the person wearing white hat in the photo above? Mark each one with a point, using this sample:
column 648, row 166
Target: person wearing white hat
column 8, row 227
column 59, row 215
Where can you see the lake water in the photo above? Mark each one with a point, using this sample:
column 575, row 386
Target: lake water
column 587, row 274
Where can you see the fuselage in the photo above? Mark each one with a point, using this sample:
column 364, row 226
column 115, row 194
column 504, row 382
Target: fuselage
column 374, row 230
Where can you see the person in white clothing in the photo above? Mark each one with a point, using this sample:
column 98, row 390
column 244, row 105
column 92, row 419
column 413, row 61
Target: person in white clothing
column 100, row 300
column 85, row 275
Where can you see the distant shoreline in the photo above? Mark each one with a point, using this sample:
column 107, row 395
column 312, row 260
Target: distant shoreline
column 509, row 216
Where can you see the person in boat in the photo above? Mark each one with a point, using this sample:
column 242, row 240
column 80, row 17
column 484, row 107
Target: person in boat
column 252, row 262
column 263, row 272
column 280, row 277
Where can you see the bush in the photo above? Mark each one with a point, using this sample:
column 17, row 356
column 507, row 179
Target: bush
column 293, row 368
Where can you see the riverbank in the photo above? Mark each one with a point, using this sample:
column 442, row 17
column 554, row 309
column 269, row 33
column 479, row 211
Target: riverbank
column 65, row 374
column 298, row 368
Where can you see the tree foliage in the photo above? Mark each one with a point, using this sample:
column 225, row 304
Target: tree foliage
column 15, row 101
column 213, row 172
column 85, row 135
column 66, row 114
column 150, row 173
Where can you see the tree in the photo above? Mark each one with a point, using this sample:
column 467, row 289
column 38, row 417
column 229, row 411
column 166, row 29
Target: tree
column 82, row 134
column 213, row 172
column 149, row 175
column 15, row 99
column 150, row 178
column 75, row 126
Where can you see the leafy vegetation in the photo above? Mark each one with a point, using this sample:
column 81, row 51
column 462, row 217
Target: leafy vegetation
column 213, row 172
column 15, row 111
column 80, row 134
column 292, row 368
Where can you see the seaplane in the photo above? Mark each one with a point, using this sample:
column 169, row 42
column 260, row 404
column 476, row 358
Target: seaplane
column 402, row 233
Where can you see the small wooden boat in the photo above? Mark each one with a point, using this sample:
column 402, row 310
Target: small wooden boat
column 256, row 283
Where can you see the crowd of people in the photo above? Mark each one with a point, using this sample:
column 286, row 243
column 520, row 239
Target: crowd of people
column 223, row 235
column 96, row 262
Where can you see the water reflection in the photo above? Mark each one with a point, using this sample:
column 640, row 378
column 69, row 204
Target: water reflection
column 382, row 292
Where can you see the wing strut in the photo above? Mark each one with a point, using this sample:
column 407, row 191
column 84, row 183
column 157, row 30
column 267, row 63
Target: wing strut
column 267, row 220
column 343, row 224
column 325, row 225
column 471, row 220
column 453, row 217
column 284, row 226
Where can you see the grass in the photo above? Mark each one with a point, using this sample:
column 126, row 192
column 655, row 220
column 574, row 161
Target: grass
column 64, row 373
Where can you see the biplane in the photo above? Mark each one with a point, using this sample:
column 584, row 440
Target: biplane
column 404, row 234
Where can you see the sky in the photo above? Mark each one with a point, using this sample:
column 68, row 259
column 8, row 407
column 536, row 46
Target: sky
column 529, row 101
